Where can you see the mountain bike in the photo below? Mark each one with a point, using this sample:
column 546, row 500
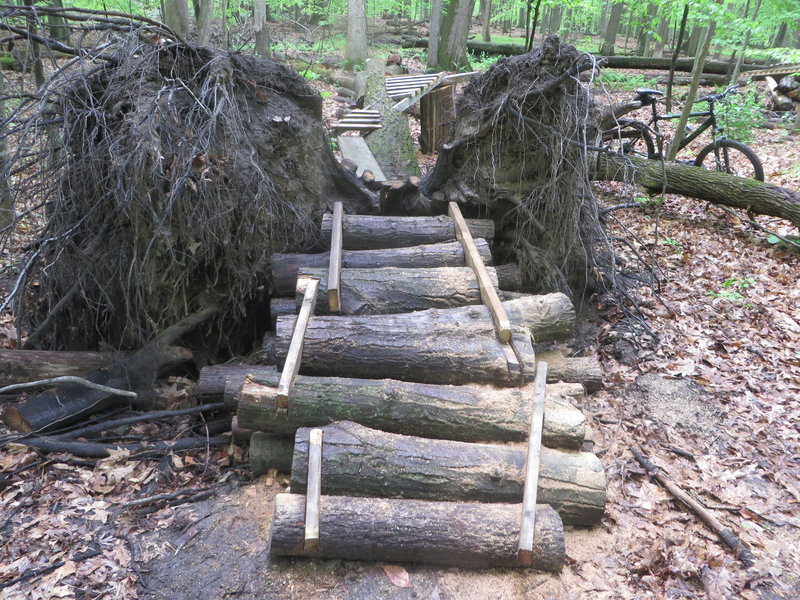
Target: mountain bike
column 633, row 137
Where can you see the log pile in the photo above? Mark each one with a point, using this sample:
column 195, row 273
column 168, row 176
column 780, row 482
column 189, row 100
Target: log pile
column 420, row 419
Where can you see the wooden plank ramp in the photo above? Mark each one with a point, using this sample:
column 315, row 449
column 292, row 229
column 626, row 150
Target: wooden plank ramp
column 355, row 148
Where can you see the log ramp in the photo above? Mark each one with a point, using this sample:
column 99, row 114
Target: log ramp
column 403, row 391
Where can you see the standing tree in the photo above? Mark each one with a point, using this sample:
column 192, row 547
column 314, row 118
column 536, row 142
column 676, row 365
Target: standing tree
column 452, row 47
column 204, row 10
column 611, row 29
column 356, row 50
column 176, row 15
column 260, row 28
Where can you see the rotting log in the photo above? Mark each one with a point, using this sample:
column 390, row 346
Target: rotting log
column 413, row 347
column 581, row 369
column 367, row 462
column 713, row 186
column 366, row 232
column 467, row 413
column 427, row 256
column 455, row 345
column 459, row 534
column 19, row 366
column 391, row 290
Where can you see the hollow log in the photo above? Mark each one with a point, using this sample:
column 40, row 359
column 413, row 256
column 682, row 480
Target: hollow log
column 366, row 232
column 19, row 366
column 459, row 534
column 391, row 290
column 703, row 184
column 427, row 256
column 467, row 413
column 359, row 461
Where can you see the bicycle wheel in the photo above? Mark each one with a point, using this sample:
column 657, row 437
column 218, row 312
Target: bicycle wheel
column 630, row 137
column 731, row 157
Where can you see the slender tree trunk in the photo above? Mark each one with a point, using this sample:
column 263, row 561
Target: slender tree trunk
column 694, row 40
column 780, row 37
column 661, row 40
column 356, row 50
column 435, row 33
column 34, row 57
column 610, row 39
column 6, row 200
column 205, row 14
column 645, row 35
column 675, row 54
column 486, row 11
column 176, row 15
column 534, row 23
column 738, row 68
column 57, row 25
column 697, row 74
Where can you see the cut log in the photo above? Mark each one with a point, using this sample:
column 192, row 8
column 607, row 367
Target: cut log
column 467, row 413
column 360, row 461
column 20, row 366
column 780, row 102
column 447, row 254
column 365, row 232
column 282, row 306
column 456, row 345
column 583, row 369
column 391, row 290
column 447, row 533
column 423, row 347
column 713, row 186
column 211, row 383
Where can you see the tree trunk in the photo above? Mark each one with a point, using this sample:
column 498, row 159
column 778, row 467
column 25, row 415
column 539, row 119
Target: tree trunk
column 452, row 54
column 356, row 49
column 263, row 41
column 57, row 25
column 364, row 232
column 359, row 461
column 205, row 20
column 780, row 36
column 467, row 413
column 661, row 35
column 446, row 254
column 434, row 33
column 746, row 42
column 6, row 199
column 645, row 35
column 176, row 15
column 486, row 11
column 448, row 533
column 392, row 290
column 18, row 366
column 673, row 61
column 682, row 64
column 391, row 145
column 712, row 186
column 610, row 40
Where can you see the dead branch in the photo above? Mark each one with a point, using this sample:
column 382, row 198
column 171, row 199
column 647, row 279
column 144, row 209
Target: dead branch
column 70, row 379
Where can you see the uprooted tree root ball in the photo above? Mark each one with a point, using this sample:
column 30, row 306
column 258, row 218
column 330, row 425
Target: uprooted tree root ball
column 513, row 154
column 171, row 175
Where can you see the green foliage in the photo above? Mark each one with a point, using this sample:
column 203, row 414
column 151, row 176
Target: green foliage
column 648, row 202
column 732, row 289
column 739, row 114
column 617, row 80
column 674, row 244
column 482, row 61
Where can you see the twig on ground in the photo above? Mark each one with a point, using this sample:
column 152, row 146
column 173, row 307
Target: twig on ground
column 48, row 569
column 70, row 379
column 725, row 534
column 138, row 451
column 193, row 492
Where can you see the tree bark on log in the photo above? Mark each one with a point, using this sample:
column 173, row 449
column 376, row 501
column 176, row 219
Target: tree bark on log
column 223, row 383
column 391, row 290
column 18, row 366
column 284, row 267
column 687, row 180
column 466, row 413
column 366, row 232
column 455, row 345
column 359, row 461
column 448, row 533
column 583, row 369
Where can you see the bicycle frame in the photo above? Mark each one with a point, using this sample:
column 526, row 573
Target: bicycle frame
column 711, row 122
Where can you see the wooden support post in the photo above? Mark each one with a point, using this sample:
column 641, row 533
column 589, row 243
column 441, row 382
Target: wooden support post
column 488, row 291
column 525, row 552
column 335, row 264
column 292, row 364
column 314, row 490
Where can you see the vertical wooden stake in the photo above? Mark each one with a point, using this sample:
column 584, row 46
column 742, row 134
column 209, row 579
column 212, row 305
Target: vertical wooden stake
column 335, row 264
column 313, row 489
column 292, row 365
column 488, row 292
column 528, row 526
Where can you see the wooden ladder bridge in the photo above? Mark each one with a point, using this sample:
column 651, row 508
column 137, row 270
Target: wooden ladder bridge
column 404, row 392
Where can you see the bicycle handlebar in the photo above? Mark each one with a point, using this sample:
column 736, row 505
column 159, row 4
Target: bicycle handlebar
column 714, row 97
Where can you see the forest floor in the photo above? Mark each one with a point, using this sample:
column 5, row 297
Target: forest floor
column 712, row 397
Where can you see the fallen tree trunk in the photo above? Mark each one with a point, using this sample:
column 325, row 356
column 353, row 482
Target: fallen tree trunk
column 455, row 345
column 687, row 180
column 391, row 290
column 18, row 366
column 284, row 267
column 360, row 461
column 467, row 413
column 366, row 232
column 460, row 534
column 582, row 369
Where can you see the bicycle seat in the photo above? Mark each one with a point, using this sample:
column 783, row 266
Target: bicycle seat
column 647, row 96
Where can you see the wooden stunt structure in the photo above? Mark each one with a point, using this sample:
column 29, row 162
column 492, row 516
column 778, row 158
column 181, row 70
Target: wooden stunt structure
column 403, row 392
